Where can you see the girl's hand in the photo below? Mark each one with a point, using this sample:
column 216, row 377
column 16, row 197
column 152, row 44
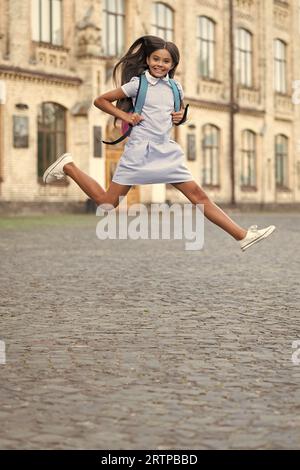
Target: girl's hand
column 177, row 116
column 133, row 118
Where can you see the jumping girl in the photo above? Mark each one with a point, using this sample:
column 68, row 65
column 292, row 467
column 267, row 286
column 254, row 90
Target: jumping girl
column 149, row 155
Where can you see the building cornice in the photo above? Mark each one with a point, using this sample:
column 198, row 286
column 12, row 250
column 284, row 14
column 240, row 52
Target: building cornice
column 32, row 75
column 207, row 104
column 214, row 105
column 252, row 111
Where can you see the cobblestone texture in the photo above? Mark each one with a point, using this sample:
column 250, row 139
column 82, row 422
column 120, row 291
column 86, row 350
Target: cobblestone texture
column 140, row 344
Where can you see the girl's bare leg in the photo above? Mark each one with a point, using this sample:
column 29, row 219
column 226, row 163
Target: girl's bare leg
column 93, row 189
column 197, row 196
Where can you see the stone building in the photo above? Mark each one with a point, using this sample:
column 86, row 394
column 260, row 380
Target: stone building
column 240, row 70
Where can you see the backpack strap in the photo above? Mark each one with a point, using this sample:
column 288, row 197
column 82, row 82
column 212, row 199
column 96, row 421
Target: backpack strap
column 176, row 94
column 141, row 94
column 127, row 133
column 177, row 101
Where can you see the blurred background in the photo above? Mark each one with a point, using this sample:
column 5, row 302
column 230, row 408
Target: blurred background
column 239, row 68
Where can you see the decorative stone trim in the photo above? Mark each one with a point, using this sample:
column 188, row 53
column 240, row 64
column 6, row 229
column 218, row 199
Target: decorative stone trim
column 88, row 35
column 282, row 3
column 212, row 88
column 207, row 104
column 211, row 186
column 283, row 189
column 49, row 55
column 284, row 105
column 248, row 96
column 245, row 9
column 246, row 188
column 31, row 75
column 81, row 108
column 252, row 111
column 281, row 17
column 210, row 3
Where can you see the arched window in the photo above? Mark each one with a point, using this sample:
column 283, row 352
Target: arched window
column 113, row 27
column 211, row 151
column 243, row 57
column 51, row 134
column 162, row 21
column 281, row 160
column 248, row 159
column 280, row 66
column 206, row 47
column 47, row 21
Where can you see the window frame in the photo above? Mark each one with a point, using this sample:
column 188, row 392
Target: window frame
column 248, row 153
column 163, row 31
column 244, row 58
column 210, row 44
column 283, row 183
column 211, row 153
column 37, row 30
column 280, row 67
column 42, row 159
column 113, row 14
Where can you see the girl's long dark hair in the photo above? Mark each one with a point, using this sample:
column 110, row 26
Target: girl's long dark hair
column 133, row 63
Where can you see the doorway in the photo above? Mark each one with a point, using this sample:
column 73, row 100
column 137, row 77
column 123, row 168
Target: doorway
column 112, row 157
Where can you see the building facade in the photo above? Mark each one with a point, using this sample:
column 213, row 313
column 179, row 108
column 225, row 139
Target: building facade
column 239, row 68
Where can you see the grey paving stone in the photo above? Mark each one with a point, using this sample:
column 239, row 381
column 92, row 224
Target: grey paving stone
column 141, row 344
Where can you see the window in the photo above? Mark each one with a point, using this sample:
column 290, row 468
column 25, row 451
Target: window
column 281, row 160
column 47, row 21
column 51, row 134
column 162, row 23
column 206, row 47
column 113, row 27
column 211, row 151
column 243, row 57
column 248, row 164
column 280, row 66
column 97, row 132
column 191, row 147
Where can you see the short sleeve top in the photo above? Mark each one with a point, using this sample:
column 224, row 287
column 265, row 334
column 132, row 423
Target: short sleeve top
column 158, row 106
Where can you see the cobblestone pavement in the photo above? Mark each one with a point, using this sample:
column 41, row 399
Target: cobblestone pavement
column 143, row 345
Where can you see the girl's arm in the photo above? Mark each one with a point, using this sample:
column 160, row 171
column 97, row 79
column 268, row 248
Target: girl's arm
column 104, row 102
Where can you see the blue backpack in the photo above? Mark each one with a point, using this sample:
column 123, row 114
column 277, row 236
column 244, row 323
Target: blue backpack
column 139, row 103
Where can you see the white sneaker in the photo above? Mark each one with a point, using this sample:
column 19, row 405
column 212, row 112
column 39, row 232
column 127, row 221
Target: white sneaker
column 55, row 171
column 254, row 235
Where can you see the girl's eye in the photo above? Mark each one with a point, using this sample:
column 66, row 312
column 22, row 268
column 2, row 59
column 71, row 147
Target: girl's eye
column 165, row 61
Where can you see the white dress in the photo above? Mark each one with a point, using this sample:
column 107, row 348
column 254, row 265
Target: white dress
column 150, row 156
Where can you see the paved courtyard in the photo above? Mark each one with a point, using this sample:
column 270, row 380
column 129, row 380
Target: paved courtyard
column 143, row 345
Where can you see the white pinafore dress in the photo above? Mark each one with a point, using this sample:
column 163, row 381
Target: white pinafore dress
column 150, row 156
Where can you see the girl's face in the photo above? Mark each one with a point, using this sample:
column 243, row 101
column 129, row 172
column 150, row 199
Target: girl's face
column 159, row 63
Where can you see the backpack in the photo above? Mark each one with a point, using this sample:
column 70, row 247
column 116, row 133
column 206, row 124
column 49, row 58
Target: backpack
column 139, row 103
